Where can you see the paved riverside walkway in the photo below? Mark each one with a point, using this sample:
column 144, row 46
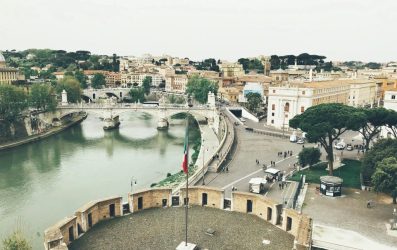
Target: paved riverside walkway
column 163, row 228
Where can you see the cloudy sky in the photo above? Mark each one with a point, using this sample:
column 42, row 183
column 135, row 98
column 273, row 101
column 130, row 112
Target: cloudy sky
column 228, row 29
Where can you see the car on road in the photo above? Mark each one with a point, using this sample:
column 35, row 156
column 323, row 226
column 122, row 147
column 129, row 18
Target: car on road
column 300, row 141
column 349, row 147
column 340, row 146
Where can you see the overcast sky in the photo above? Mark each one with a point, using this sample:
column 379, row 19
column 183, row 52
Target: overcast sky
column 228, row 29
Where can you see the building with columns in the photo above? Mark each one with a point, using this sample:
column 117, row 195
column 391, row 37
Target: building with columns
column 288, row 100
column 7, row 75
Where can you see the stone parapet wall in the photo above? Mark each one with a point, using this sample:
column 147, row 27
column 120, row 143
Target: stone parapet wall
column 60, row 235
column 289, row 220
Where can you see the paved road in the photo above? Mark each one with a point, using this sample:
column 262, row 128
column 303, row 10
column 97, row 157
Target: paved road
column 252, row 146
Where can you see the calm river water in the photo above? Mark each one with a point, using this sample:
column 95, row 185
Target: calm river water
column 42, row 182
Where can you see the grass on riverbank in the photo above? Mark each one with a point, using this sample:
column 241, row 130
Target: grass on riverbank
column 350, row 173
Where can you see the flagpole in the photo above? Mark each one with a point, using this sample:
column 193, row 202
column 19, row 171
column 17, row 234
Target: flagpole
column 187, row 178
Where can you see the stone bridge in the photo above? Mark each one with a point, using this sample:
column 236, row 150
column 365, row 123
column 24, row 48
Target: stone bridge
column 110, row 111
column 92, row 95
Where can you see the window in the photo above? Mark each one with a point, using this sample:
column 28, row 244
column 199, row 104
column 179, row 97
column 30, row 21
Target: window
column 302, row 109
column 303, row 92
column 286, row 107
column 272, row 122
column 393, row 97
column 272, row 114
column 274, row 91
column 273, row 106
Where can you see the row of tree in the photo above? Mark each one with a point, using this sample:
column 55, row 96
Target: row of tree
column 41, row 96
column 60, row 60
column 325, row 123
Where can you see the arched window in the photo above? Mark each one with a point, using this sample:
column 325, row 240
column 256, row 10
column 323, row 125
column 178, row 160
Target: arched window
column 286, row 107
column 393, row 97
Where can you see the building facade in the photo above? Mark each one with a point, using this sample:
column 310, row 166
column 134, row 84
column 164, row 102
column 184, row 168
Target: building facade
column 231, row 69
column 287, row 101
column 176, row 83
column 7, row 75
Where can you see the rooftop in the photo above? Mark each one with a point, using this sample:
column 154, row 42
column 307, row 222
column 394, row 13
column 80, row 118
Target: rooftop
column 164, row 229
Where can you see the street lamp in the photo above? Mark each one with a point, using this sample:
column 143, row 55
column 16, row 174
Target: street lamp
column 133, row 182
column 394, row 224
column 203, row 161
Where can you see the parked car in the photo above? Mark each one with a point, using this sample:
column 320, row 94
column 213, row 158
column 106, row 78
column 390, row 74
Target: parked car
column 300, row 141
column 349, row 147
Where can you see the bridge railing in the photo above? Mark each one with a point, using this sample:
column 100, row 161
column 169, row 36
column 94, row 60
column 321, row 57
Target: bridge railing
column 131, row 106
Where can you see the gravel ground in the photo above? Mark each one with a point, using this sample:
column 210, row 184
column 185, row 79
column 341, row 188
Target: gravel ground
column 164, row 229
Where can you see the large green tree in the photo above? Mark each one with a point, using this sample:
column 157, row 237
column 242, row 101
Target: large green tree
column 72, row 87
column 42, row 96
column 391, row 122
column 137, row 95
column 146, row 83
column 382, row 149
column 79, row 75
column 309, row 156
column 199, row 88
column 324, row 124
column 385, row 177
column 98, row 81
column 253, row 101
column 370, row 122
column 13, row 101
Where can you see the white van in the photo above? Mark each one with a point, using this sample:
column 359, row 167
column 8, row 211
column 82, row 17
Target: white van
column 257, row 185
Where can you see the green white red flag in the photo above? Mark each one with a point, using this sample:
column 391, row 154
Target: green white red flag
column 186, row 152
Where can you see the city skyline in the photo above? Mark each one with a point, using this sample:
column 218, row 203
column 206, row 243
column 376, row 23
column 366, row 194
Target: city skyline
column 340, row 30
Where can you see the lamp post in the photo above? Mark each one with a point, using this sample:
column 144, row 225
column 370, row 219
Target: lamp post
column 133, row 182
column 394, row 224
column 203, row 160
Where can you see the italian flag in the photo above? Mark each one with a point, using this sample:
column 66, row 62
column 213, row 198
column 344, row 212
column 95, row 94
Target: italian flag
column 186, row 152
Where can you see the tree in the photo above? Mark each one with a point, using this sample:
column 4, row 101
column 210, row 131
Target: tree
column 385, row 177
column 137, row 94
column 199, row 88
column 16, row 241
column 13, row 101
column 391, row 122
column 72, row 88
column 79, row 75
column 382, row 149
column 370, row 123
column 324, row 124
column 42, row 96
column 98, row 81
column 309, row 156
column 146, row 83
column 253, row 101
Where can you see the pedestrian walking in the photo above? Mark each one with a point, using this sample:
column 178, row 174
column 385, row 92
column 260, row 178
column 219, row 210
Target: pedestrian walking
column 279, row 185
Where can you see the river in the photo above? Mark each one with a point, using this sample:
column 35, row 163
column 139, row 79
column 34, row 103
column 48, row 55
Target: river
column 42, row 182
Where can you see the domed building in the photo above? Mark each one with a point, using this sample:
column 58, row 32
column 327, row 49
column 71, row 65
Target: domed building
column 7, row 75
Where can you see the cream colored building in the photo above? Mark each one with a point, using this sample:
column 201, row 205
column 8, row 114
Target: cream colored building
column 288, row 100
column 7, row 75
column 231, row 69
column 136, row 79
column 176, row 83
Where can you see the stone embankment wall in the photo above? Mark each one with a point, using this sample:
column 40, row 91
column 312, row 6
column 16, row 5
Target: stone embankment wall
column 299, row 225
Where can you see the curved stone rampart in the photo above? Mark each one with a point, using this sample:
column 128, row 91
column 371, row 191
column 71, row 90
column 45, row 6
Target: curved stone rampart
column 289, row 220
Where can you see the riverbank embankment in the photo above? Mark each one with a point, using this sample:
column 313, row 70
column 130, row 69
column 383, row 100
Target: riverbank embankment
column 52, row 131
